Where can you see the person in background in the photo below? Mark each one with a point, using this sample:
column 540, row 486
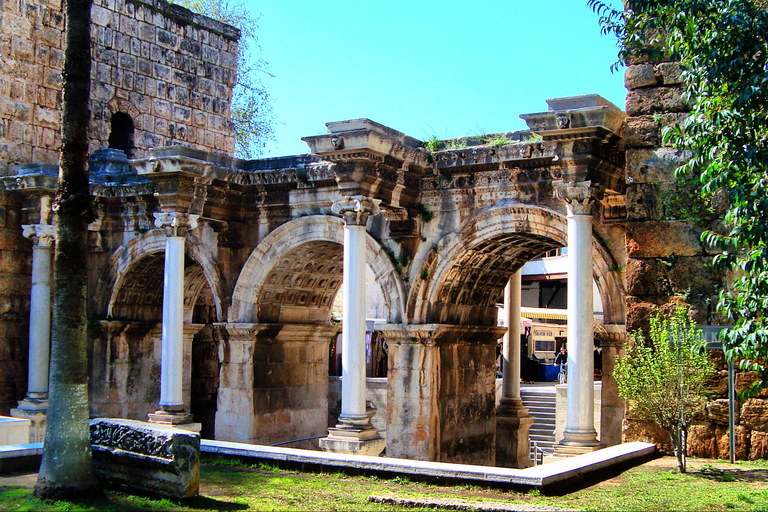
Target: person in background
column 562, row 357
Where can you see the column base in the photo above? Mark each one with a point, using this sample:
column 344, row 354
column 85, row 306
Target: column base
column 513, row 422
column 181, row 420
column 562, row 450
column 36, row 411
column 577, row 443
column 355, row 441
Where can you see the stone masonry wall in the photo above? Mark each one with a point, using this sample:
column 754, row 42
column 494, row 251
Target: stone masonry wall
column 171, row 70
column 15, row 283
column 668, row 264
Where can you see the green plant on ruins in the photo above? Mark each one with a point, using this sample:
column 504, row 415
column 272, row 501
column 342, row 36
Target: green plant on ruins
column 722, row 47
column 664, row 379
column 251, row 107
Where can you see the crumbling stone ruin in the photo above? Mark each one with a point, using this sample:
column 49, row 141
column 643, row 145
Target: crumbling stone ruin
column 260, row 243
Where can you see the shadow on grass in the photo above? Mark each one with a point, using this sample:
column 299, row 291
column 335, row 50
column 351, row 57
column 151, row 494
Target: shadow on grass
column 13, row 496
column 732, row 475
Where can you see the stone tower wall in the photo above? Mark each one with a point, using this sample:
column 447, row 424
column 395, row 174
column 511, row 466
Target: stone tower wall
column 171, row 70
column 669, row 265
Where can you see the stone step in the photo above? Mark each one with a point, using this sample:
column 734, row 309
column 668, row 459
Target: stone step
column 541, row 405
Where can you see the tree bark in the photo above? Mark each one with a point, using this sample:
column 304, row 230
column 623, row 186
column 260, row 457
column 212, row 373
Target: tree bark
column 66, row 471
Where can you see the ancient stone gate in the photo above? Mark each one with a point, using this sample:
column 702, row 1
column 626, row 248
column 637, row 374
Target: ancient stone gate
column 261, row 246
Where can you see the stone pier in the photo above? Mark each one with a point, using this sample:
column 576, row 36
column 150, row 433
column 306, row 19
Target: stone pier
column 441, row 394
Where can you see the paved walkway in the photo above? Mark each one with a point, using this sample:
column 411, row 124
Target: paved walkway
column 560, row 471
column 587, row 465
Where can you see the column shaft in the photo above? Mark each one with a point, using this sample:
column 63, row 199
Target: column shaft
column 580, row 425
column 511, row 346
column 172, row 365
column 39, row 322
column 353, row 326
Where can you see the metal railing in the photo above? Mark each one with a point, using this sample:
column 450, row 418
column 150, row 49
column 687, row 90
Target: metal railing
column 536, row 454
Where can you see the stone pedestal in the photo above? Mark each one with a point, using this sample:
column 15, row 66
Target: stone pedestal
column 14, row 431
column 359, row 440
column 37, row 418
column 180, row 420
column 513, row 422
column 441, row 394
column 612, row 342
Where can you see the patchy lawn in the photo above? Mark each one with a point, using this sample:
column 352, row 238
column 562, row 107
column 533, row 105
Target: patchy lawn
column 655, row 485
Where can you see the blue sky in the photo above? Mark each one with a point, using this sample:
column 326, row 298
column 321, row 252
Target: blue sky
column 423, row 67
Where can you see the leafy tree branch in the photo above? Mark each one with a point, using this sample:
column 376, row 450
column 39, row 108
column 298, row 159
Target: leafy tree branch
column 722, row 48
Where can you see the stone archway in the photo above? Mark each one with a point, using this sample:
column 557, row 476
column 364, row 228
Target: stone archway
column 152, row 244
column 470, row 268
column 449, row 345
column 305, row 245
column 126, row 351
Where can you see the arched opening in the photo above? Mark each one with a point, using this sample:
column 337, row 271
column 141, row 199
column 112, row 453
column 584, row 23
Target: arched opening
column 121, row 133
column 126, row 355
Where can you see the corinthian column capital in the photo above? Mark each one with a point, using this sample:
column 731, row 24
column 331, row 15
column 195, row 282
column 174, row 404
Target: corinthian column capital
column 356, row 209
column 175, row 223
column 42, row 235
column 579, row 196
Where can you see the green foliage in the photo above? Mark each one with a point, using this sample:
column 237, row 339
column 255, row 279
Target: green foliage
column 425, row 214
column 722, row 49
column 434, row 144
column 301, row 176
column 251, row 107
column 664, row 381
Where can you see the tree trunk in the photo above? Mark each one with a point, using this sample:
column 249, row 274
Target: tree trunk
column 678, row 436
column 66, row 471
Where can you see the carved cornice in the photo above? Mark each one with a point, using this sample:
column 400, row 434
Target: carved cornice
column 612, row 335
column 356, row 209
column 175, row 223
column 524, row 154
column 42, row 235
column 580, row 196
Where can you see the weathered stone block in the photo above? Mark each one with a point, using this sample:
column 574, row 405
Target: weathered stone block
column 640, row 75
column 670, row 73
column 647, row 277
column 718, row 383
column 694, row 277
column 663, row 239
column 653, row 165
column 655, row 99
column 649, row 432
column 758, row 442
column 643, row 202
column 702, row 441
column 641, row 131
column 717, row 411
column 754, row 414
column 146, row 456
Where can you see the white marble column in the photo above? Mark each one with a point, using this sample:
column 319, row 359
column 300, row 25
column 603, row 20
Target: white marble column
column 354, row 432
column 511, row 347
column 35, row 404
column 580, row 433
column 513, row 421
column 171, row 402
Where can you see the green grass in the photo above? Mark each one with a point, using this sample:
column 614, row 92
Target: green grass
column 236, row 486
